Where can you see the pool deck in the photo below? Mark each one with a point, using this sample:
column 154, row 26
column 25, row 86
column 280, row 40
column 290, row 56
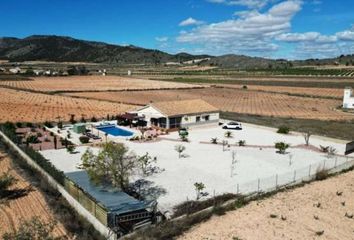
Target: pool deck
column 75, row 137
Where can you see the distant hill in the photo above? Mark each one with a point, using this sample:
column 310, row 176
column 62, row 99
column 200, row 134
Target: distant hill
column 67, row 49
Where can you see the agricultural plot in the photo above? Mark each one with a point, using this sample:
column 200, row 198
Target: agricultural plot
column 300, row 91
column 20, row 106
column 90, row 83
column 23, row 208
column 238, row 101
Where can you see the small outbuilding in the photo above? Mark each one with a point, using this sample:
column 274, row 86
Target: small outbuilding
column 177, row 114
column 348, row 99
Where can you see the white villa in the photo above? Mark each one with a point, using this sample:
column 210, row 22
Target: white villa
column 176, row 114
column 348, row 100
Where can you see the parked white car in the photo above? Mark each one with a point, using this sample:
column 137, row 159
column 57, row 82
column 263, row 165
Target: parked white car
column 232, row 125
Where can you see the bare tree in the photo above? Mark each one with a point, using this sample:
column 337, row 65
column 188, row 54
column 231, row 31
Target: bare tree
column 180, row 149
column 307, row 136
column 199, row 187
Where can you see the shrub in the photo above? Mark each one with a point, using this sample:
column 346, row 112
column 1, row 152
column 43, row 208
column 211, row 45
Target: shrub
column 70, row 149
column 214, row 140
column 29, row 125
column 283, row 130
column 32, row 139
column 48, row 124
column 242, row 143
column 219, row 211
column 19, row 125
column 84, row 139
column 321, row 175
column 228, row 134
column 244, row 87
column 281, row 146
column 60, row 125
column 93, row 119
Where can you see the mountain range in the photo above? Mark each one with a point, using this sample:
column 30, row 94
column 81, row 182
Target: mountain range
column 67, row 49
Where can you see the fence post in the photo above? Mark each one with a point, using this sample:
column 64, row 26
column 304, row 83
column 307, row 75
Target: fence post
column 294, row 175
column 276, row 181
column 335, row 162
column 238, row 189
column 309, row 170
column 258, row 184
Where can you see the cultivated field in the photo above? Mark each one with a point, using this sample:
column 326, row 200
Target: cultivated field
column 24, row 208
column 23, row 106
column 306, row 211
column 300, row 91
column 90, row 83
column 238, row 101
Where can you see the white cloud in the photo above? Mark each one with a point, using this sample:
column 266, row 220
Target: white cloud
column 252, row 31
column 298, row 37
column 161, row 39
column 346, row 35
column 190, row 21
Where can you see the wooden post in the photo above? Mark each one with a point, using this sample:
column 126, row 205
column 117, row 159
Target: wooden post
column 259, row 183
column 294, row 175
column 309, row 170
column 276, row 182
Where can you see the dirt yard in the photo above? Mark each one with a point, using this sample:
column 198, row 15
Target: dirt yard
column 24, row 208
column 320, row 210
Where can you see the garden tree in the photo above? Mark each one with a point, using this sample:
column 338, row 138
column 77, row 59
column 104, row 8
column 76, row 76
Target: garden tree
column 224, row 145
column 183, row 134
column 146, row 162
column 34, row 229
column 281, row 146
column 228, row 134
column 113, row 165
column 307, row 136
column 199, row 187
column 72, row 118
column 180, row 149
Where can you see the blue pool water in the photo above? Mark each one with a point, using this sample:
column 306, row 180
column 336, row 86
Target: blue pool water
column 115, row 131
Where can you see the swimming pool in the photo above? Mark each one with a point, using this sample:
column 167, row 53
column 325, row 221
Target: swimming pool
column 115, row 131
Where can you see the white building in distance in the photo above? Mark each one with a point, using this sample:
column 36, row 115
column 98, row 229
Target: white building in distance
column 348, row 100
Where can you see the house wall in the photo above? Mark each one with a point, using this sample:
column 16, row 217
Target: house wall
column 149, row 112
column 190, row 120
column 348, row 100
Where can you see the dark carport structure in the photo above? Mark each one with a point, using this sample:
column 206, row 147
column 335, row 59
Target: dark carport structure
column 116, row 209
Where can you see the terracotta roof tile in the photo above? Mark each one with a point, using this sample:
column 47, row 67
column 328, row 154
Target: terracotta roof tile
column 184, row 107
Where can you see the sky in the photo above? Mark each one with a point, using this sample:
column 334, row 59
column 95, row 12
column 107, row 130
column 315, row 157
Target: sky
column 290, row 29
